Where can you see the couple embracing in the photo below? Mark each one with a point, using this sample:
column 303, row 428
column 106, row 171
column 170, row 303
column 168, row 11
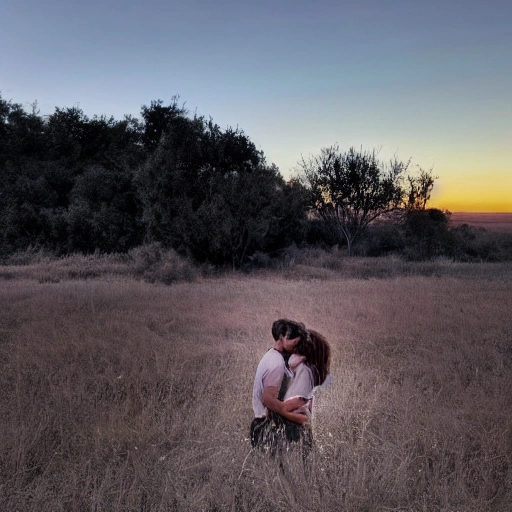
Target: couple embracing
column 282, row 396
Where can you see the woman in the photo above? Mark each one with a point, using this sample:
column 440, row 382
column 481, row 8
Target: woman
column 310, row 365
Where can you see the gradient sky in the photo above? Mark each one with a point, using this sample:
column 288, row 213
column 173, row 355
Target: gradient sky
column 427, row 80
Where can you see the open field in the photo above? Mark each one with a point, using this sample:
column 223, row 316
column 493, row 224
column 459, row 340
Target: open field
column 501, row 222
column 118, row 394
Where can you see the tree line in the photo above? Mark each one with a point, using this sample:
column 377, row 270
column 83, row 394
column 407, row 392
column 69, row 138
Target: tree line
column 71, row 183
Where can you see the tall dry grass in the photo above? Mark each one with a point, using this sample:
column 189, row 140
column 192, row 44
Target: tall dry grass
column 123, row 395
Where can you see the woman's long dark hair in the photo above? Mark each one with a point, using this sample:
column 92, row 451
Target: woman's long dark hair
column 318, row 356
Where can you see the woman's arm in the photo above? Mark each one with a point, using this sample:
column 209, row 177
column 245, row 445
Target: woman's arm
column 271, row 402
column 297, row 417
column 289, row 404
column 303, row 410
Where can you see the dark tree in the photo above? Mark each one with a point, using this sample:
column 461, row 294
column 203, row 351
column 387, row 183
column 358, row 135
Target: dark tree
column 157, row 119
column 419, row 190
column 74, row 183
column 427, row 233
column 236, row 217
column 46, row 179
column 104, row 213
column 167, row 183
column 22, row 134
column 289, row 220
column 66, row 130
column 350, row 190
column 209, row 193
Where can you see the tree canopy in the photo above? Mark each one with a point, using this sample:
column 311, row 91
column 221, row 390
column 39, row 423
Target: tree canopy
column 69, row 182
column 73, row 183
column 349, row 190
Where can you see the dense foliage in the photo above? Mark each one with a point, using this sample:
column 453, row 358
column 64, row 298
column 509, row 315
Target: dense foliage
column 70, row 183
column 351, row 190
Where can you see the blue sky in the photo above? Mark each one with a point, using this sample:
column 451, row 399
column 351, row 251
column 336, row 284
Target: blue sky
column 430, row 81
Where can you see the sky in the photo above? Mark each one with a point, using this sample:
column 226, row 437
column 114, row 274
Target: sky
column 429, row 81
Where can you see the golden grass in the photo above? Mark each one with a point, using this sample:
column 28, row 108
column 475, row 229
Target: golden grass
column 118, row 394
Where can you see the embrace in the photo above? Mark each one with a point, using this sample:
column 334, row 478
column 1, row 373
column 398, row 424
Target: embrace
column 282, row 396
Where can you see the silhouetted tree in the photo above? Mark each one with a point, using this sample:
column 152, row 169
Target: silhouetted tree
column 167, row 183
column 104, row 213
column 44, row 163
column 157, row 119
column 22, row 134
column 209, row 193
column 66, row 133
column 70, row 182
column 419, row 190
column 350, row 190
column 237, row 215
column 289, row 220
column 427, row 233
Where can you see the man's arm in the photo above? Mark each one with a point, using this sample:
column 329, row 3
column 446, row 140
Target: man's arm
column 290, row 405
column 271, row 402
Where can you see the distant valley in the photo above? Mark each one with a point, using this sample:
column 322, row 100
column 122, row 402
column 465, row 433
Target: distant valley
column 490, row 221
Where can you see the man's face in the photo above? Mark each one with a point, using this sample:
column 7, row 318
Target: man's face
column 290, row 344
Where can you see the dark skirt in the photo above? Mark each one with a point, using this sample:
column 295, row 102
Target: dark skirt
column 274, row 433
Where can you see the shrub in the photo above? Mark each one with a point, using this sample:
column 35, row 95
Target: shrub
column 154, row 263
column 426, row 234
column 380, row 238
column 31, row 255
column 321, row 233
column 477, row 244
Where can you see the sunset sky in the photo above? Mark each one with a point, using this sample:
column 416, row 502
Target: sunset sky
column 431, row 81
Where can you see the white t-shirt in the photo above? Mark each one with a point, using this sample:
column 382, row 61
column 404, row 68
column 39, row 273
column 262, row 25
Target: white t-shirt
column 270, row 372
column 301, row 384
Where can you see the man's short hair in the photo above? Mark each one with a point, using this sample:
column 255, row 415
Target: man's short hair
column 289, row 329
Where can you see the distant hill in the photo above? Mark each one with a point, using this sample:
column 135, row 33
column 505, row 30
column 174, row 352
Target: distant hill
column 490, row 221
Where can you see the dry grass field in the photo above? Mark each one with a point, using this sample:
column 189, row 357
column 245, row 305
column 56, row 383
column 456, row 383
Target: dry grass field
column 119, row 394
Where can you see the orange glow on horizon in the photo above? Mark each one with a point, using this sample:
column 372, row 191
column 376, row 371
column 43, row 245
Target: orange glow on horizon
column 469, row 205
column 478, row 194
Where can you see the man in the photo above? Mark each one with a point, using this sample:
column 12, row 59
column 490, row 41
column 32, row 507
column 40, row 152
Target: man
column 267, row 430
